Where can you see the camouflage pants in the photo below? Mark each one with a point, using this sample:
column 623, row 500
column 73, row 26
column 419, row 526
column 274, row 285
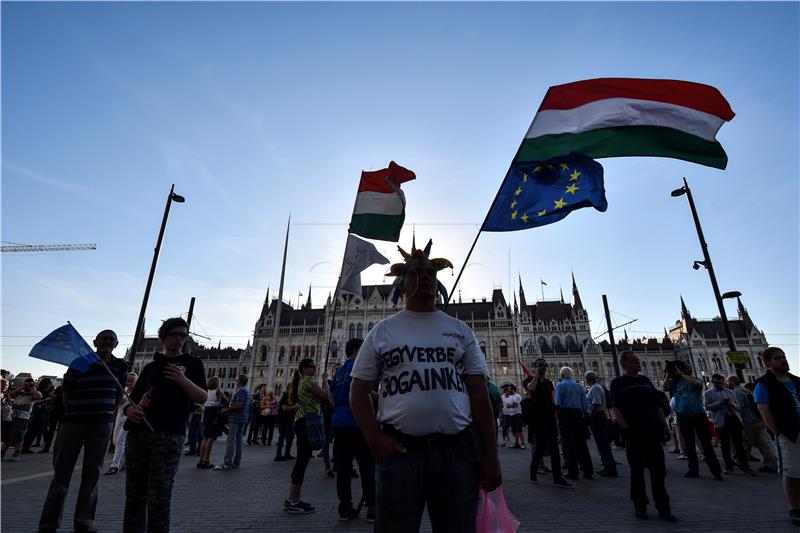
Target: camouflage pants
column 151, row 460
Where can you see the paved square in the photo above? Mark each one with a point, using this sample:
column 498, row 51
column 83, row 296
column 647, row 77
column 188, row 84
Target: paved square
column 251, row 499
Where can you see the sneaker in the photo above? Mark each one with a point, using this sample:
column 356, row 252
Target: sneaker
column 562, row 483
column 370, row 518
column 768, row 469
column 502, row 444
column 288, row 457
column 223, row 467
column 328, row 472
column 14, row 459
column 729, row 472
column 683, row 457
column 297, row 508
column 111, row 471
column 535, row 480
column 349, row 514
column 544, row 470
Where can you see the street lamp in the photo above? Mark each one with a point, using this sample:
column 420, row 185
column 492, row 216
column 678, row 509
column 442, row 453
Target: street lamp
column 706, row 262
column 172, row 197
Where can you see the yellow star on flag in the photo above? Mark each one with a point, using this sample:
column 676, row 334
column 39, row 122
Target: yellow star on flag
column 518, row 191
column 514, row 215
column 564, row 167
column 524, row 178
column 574, row 175
column 537, row 168
column 541, row 213
column 572, row 188
column 513, row 204
column 524, row 218
column 551, row 167
column 560, row 203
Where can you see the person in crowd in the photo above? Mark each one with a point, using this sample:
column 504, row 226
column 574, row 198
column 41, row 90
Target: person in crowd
column 55, row 412
column 255, row 415
column 724, row 410
column 308, row 396
column 22, row 402
column 572, row 409
column 7, row 417
column 287, row 408
column 496, row 399
column 212, row 421
column 37, row 425
column 349, row 442
column 90, row 400
column 194, row 431
column 269, row 416
column 165, row 394
column 687, row 390
column 512, row 417
column 120, row 434
column 599, row 424
column 238, row 414
column 754, row 431
column 636, row 405
column 777, row 396
column 433, row 436
column 543, row 425
column 325, row 453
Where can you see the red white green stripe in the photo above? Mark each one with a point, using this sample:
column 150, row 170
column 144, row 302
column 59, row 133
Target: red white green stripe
column 609, row 117
column 380, row 204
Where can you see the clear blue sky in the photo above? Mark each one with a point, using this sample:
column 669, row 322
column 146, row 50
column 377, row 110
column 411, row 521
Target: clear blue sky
column 254, row 110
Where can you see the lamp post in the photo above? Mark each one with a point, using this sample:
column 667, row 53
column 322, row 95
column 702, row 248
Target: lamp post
column 706, row 262
column 172, row 197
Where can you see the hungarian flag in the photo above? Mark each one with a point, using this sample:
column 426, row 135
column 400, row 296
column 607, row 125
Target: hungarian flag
column 610, row 117
column 380, row 204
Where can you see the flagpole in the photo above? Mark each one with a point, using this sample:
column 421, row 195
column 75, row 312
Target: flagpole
column 276, row 329
column 334, row 301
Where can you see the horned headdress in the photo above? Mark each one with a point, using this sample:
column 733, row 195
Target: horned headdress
column 399, row 270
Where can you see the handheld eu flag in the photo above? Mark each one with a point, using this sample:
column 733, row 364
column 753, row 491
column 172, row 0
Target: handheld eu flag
column 65, row 346
column 542, row 192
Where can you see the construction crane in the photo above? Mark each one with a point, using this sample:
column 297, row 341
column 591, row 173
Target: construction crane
column 47, row 247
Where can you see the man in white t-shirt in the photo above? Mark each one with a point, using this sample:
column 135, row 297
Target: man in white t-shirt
column 512, row 416
column 433, row 436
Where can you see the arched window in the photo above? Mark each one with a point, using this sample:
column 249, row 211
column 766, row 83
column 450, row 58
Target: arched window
column 608, row 368
column 281, row 354
column 553, row 341
column 483, row 347
column 645, row 369
column 503, row 348
column 222, row 372
column 263, row 354
column 660, row 367
column 305, row 351
column 360, row 330
column 244, row 370
column 370, row 326
column 595, row 366
column 570, row 342
column 542, row 341
column 760, row 363
column 351, row 331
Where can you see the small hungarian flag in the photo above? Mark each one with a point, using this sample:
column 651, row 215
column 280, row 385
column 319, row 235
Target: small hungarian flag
column 610, row 117
column 380, row 204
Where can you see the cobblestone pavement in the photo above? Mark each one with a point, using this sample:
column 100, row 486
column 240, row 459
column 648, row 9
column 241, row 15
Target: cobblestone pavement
column 251, row 499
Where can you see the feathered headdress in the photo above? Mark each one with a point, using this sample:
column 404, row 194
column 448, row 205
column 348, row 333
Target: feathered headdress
column 399, row 270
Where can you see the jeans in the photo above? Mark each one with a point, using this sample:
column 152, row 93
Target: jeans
column 255, row 428
column 546, row 438
column 285, row 434
column 267, row 428
column 732, row 431
column 119, row 451
column 152, row 460
column 233, row 447
column 195, row 433
column 756, row 435
column 645, row 450
column 443, row 476
column 690, row 424
column 349, row 443
column 573, row 435
column 599, row 426
column 93, row 438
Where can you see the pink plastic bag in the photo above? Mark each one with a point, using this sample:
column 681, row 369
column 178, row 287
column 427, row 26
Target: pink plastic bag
column 493, row 515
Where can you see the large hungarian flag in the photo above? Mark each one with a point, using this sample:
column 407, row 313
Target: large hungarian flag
column 609, row 117
column 380, row 204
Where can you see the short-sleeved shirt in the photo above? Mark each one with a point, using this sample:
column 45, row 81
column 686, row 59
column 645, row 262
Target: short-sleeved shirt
column 510, row 400
column 166, row 405
column 420, row 360
column 638, row 400
column 309, row 404
column 22, row 404
column 597, row 396
column 340, row 388
column 571, row 395
column 240, row 416
column 688, row 397
column 93, row 394
column 762, row 394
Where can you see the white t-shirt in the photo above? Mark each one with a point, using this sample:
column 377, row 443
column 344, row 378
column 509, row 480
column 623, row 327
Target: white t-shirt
column 419, row 360
column 510, row 400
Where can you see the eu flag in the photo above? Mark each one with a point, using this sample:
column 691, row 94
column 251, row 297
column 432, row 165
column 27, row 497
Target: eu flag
column 542, row 192
column 65, row 346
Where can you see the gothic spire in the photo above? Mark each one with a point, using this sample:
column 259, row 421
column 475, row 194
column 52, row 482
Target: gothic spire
column 523, row 304
column 684, row 311
column 576, row 297
column 308, row 300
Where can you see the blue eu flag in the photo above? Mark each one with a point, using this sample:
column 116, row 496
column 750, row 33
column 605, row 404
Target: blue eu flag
column 543, row 192
column 65, row 346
